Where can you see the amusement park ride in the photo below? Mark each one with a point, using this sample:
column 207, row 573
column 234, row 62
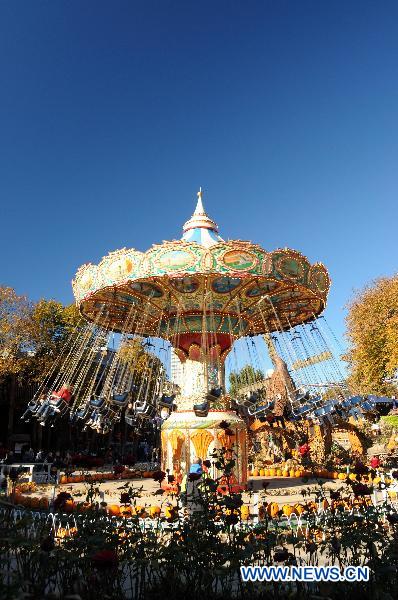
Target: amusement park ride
column 200, row 297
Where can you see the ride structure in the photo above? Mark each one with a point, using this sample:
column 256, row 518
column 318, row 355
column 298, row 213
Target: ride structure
column 192, row 300
column 202, row 293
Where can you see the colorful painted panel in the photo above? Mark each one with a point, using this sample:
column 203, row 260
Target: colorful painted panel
column 175, row 260
column 215, row 305
column 194, row 323
column 126, row 298
column 239, row 260
column 287, row 295
column 185, row 285
column 86, row 280
column 147, row 289
column 117, row 269
column 319, row 279
column 225, row 285
column 290, row 267
column 261, row 288
column 229, row 324
column 191, row 304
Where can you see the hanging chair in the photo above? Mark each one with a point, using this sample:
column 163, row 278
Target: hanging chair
column 255, row 409
column 214, row 394
column 120, row 400
column 79, row 415
column 82, row 411
column 250, row 399
column 166, row 401
column 97, row 401
column 143, row 409
column 130, row 419
column 31, row 410
column 201, row 409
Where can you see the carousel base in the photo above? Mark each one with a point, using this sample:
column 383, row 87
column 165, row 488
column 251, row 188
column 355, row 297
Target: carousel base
column 186, row 437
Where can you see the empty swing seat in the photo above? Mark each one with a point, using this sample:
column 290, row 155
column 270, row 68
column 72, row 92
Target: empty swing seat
column 130, row 419
column 249, row 400
column 256, row 410
column 120, row 400
column 201, row 409
column 166, row 401
column 97, row 401
column 214, row 394
column 367, row 405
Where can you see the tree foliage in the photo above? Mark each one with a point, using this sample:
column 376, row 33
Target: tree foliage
column 50, row 327
column 372, row 331
column 146, row 367
column 32, row 334
column 15, row 313
column 246, row 376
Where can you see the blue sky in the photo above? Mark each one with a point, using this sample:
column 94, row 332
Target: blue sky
column 112, row 114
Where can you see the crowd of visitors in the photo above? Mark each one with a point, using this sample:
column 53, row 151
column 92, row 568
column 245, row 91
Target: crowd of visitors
column 111, row 456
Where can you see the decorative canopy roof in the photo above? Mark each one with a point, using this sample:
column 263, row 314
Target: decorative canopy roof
column 202, row 292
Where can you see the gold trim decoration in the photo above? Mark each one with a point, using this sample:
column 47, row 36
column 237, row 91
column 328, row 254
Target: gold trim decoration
column 176, row 438
column 201, row 440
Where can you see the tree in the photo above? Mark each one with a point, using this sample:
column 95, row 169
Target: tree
column 372, row 331
column 50, row 326
column 146, row 367
column 15, row 314
column 31, row 338
column 246, row 376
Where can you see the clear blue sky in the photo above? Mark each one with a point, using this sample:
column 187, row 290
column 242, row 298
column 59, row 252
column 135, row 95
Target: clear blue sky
column 112, row 114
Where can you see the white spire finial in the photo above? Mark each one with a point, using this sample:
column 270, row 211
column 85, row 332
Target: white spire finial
column 199, row 210
column 201, row 221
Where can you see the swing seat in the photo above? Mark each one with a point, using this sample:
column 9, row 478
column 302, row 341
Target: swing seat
column 302, row 410
column 303, row 397
column 254, row 410
column 34, row 406
column 144, row 409
column 215, row 393
column 250, row 399
column 130, row 419
column 121, row 400
column 55, row 401
column 97, row 401
column 82, row 412
column 202, row 409
column 31, row 410
column 367, row 406
column 166, row 401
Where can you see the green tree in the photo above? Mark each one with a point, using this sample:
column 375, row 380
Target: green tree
column 246, row 376
column 31, row 337
column 15, row 314
column 50, row 326
column 372, row 331
column 144, row 365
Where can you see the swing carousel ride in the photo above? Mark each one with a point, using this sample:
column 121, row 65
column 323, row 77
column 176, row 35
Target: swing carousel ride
column 207, row 306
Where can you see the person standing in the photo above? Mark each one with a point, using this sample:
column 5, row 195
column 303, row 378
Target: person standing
column 194, row 500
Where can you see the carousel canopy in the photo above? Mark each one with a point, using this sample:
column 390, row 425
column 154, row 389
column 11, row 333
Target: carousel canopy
column 201, row 292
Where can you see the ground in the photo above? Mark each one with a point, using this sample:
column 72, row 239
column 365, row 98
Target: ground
column 279, row 489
